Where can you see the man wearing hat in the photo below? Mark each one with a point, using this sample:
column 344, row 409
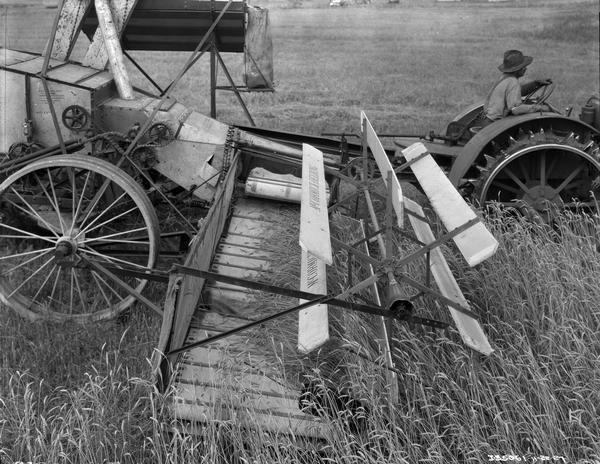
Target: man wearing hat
column 505, row 97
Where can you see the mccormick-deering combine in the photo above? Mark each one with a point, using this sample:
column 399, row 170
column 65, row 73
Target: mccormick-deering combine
column 106, row 188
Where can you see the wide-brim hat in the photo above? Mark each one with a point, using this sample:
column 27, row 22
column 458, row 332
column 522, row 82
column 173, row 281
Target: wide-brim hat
column 514, row 60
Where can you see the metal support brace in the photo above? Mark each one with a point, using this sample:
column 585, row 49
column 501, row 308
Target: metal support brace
column 404, row 166
column 234, row 87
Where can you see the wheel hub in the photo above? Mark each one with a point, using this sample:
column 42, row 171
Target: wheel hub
column 65, row 248
column 540, row 196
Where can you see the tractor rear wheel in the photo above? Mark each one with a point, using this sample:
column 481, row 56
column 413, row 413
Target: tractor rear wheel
column 60, row 214
column 540, row 173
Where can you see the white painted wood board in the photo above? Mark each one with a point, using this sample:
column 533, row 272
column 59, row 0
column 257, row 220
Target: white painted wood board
column 384, row 165
column 469, row 328
column 476, row 243
column 315, row 241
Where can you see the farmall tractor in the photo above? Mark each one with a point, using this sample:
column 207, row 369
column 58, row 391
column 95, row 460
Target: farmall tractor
column 533, row 163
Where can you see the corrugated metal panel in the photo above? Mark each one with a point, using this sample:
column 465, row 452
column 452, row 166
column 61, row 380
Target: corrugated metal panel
column 179, row 25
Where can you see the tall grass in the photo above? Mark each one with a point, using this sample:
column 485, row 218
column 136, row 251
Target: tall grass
column 536, row 395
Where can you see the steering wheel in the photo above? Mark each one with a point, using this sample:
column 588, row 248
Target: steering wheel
column 539, row 95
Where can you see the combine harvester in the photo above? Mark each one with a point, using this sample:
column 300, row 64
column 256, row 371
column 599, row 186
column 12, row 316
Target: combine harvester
column 90, row 164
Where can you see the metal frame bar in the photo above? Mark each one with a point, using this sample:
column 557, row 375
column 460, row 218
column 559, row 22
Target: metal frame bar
column 143, row 71
column 233, row 87
column 51, row 40
column 97, row 267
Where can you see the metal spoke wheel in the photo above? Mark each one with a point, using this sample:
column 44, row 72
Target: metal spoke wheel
column 538, row 176
column 67, row 224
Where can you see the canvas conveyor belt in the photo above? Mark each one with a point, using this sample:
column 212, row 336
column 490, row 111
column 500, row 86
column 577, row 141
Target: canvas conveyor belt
column 235, row 378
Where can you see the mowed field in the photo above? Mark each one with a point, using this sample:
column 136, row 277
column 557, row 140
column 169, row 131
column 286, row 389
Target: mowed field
column 82, row 394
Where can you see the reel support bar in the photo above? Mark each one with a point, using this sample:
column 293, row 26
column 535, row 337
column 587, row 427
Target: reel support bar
column 214, row 338
column 319, row 299
column 337, row 301
column 437, row 295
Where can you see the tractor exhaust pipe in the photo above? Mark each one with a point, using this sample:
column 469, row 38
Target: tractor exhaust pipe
column 113, row 49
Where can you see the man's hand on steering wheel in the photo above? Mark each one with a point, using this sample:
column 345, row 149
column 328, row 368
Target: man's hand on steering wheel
column 540, row 94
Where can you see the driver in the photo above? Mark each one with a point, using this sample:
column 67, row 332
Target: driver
column 505, row 96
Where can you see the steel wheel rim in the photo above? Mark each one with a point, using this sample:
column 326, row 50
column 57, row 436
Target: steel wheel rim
column 534, row 195
column 59, row 252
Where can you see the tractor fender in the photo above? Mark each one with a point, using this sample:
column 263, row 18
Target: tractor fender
column 500, row 130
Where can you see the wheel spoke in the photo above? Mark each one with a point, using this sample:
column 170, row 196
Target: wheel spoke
column 524, row 170
column 28, row 234
column 71, row 174
column 86, row 228
column 76, row 212
column 83, row 302
column 31, row 277
column 111, row 258
column 543, row 169
column 109, row 241
column 569, row 178
column 116, row 234
column 51, row 297
column 43, row 253
column 33, row 299
column 99, row 284
column 110, row 287
column 56, row 200
column 517, row 181
column 26, row 253
column 108, row 221
column 71, row 293
column 54, row 203
column 32, row 213
column 97, row 196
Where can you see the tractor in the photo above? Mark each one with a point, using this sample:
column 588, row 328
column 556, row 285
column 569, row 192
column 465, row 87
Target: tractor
column 532, row 163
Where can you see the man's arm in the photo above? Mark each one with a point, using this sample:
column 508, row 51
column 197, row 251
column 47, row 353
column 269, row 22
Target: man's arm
column 515, row 104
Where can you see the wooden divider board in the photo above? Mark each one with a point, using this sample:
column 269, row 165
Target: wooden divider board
column 469, row 328
column 384, row 165
column 313, row 322
column 67, row 29
column 314, row 219
column 96, row 55
column 475, row 243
